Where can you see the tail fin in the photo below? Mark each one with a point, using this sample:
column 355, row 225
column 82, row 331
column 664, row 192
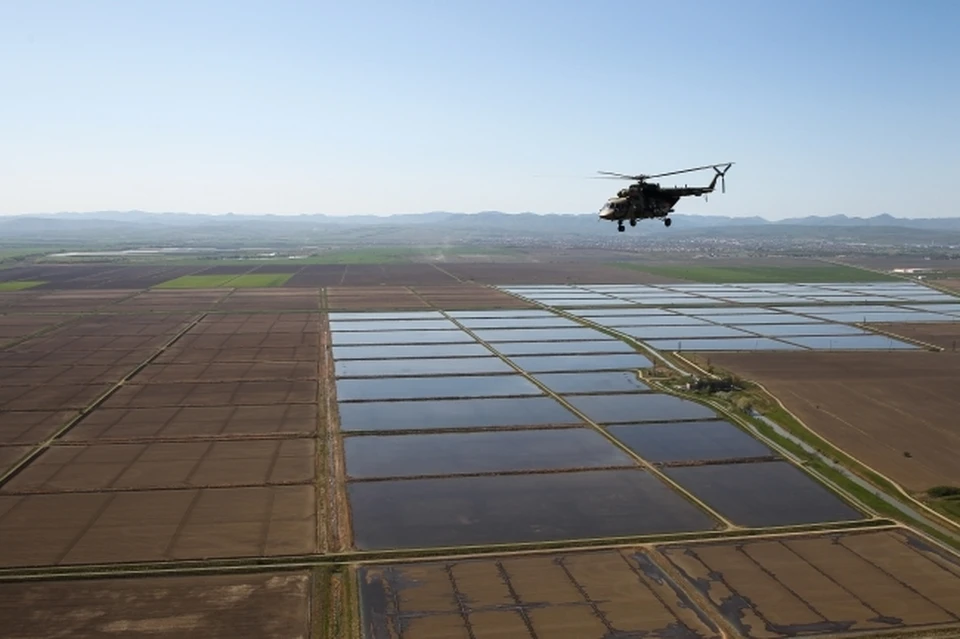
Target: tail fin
column 722, row 175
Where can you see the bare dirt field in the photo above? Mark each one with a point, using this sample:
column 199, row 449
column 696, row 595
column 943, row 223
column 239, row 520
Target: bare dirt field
column 256, row 606
column 30, row 427
column 466, row 296
column 182, row 422
column 141, row 466
column 551, row 273
column 824, row 584
column 944, row 335
column 588, row 594
column 952, row 283
column 373, row 298
column 876, row 406
column 156, row 525
column 270, row 299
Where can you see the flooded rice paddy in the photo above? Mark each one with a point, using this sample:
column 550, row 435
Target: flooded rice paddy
column 442, row 386
column 420, row 366
column 763, row 494
column 689, row 441
column 455, row 511
column 480, row 452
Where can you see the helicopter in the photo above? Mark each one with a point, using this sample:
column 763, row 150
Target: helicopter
column 648, row 200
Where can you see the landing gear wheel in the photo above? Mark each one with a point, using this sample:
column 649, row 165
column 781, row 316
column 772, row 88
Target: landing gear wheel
column 620, row 227
column 633, row 221
column 667, row 221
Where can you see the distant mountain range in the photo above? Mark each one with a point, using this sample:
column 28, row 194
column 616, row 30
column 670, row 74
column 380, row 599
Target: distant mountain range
column 138, row 227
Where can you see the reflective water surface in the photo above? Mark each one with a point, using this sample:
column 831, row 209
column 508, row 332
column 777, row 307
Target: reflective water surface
column 453, row 413
column 689, row 441
column 399, row 337
column 480, row 452
column 763, row 494
column 608, row 345
column 732, row 344
column 599, row 382
column 401, row 367
column 640, row 407
column 406, row 351
column 562, row 363
column 517, row 508
column 440, row 386
column 851, row 342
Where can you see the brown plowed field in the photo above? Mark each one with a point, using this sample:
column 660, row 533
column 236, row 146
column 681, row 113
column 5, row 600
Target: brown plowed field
column 284, row 299
column 944, row 335
column 191, row 355
column 466, row 296
column 551, row 273
column 248, row 340
column 257, row 323
column 30, row 427
column 60, row 375
column 141, row 466
column 65, row 396
column 156, row 525
column 213, row 394
column 10, row 455
column 224, row 372
column 588, row 594
column 824, row 584
column 876, row 406
column 185, row 422
column 255, row 606
column 952, row 283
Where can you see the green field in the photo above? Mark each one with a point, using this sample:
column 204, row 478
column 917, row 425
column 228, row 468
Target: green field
column 763, row 274
column 19, row 285
column 259, row 280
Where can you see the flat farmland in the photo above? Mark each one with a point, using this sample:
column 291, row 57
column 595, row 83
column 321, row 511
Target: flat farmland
column 272, row 299
column 156, row 525
column 462, row 296
column 141, row 466
column 591, row 595
column 551, row 273
column 373, row 298
column 255, row 606
column 828, row 584
column 186, row 422
column 879, row 407
column 944, row 335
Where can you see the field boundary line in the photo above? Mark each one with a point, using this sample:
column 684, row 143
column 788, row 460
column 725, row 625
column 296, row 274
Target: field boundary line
column 40, row 447
column 416, row 555
column 646, row 465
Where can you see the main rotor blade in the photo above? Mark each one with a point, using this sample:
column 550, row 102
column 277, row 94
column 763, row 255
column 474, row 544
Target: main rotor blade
column 621, row 176
column 697, row 168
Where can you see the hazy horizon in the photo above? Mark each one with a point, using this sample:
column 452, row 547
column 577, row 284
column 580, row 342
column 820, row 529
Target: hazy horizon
column 375, row 108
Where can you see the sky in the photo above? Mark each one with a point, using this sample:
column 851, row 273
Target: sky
column 379, row 107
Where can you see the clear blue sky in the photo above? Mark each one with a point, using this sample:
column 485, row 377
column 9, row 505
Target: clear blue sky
column 835, row 106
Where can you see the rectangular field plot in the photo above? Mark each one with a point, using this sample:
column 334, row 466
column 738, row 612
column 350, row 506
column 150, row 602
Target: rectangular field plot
column 338, row 316
column 61, row 396
column 516, row 508
column 226, row 372
column 682, row 332
column 188, row 355
column 113, row 424
column 512, row 349
column 597, row 382
column 213, row 394
column 102, row 467
column 763, row 494
column 690, row 441
column 538, row 334
column 30, row 427
column 870, row 342
column 731, row 344
column 421, row 367
column 502, row 314
column 370, row 338
column 156, row 525
column 609, row 593
column 480, row 452
column 392, row 325
column 407, row 351
column 10, row 455
column 661, row 320
column 566, row 363
column 248, row 340
column 804, row 330
column 830, row 584
column 250, row 606
column 638, row 407
column 257, row 323
column 453, row 413
column 518, row 322
column 59, row 375
column 442, row 387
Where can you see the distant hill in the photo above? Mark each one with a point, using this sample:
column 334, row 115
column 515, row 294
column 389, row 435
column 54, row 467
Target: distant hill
column 131, row 228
